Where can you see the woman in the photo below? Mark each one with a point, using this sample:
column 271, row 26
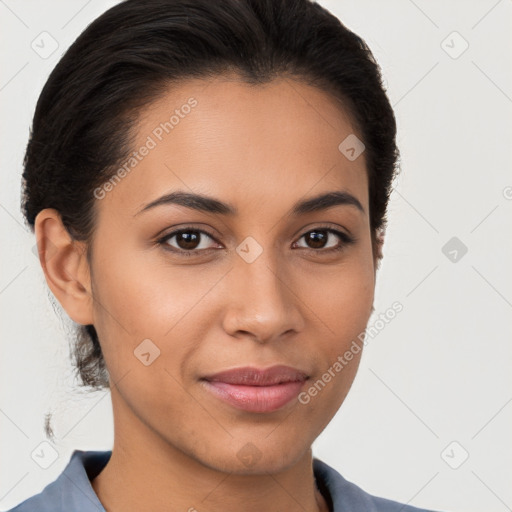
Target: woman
column 208, row 184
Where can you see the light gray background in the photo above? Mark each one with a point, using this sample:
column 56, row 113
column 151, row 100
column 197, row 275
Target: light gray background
column 439, row 372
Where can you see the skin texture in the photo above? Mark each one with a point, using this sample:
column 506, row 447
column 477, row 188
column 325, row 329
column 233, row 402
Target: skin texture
column 260, row 148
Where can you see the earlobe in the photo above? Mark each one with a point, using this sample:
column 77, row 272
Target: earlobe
column 65, row 266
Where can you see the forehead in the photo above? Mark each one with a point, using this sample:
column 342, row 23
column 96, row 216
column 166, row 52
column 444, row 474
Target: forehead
column 250, row 145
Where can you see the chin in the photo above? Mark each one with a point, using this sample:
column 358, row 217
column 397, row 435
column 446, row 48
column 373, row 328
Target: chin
column 248, row 458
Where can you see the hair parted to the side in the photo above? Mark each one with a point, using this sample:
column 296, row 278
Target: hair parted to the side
column 133, row 53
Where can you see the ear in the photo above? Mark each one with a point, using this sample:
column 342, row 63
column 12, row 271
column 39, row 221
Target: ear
column 65, row 266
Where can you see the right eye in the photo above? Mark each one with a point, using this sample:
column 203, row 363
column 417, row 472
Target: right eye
column 187, row 240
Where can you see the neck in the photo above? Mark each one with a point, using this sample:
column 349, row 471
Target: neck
column 151, row 474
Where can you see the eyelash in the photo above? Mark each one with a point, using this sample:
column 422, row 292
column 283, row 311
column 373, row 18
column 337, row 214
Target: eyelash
column 346, row 240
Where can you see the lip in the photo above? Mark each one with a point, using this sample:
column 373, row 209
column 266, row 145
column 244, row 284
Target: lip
column 256, row 390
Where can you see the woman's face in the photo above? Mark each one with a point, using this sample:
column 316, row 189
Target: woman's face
column 261, row 286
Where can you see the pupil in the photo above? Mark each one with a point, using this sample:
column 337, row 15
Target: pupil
column 190, row 237
column 317, row 236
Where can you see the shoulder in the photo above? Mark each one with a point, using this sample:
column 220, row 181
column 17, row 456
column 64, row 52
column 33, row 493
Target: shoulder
column 348, row 497
column 44, row 501
column 72, row 490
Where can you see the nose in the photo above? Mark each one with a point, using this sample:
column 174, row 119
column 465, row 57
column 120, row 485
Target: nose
column 263, row 300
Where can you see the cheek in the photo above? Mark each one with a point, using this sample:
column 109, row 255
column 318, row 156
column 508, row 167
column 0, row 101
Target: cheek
column 344, row 303
column 142, row 295
column 139, row 297
column 341, row 304
column 342, row 297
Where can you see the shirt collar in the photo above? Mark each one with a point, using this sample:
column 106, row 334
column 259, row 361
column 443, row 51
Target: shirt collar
column 75, row 489
column 75, row 480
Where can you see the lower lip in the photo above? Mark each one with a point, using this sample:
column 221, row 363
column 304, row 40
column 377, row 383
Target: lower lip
column 255, row 398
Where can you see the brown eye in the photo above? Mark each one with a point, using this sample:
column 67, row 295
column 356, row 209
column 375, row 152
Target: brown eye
column 187, row 241
column 324, row 240
column 317, row 239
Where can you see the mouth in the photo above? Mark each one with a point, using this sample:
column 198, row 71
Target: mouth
column 256, row 390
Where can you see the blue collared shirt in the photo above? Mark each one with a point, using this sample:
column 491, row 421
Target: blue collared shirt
column 72, row 490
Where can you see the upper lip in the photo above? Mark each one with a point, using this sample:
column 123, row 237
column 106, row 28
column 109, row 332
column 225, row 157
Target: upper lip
column 251, row 376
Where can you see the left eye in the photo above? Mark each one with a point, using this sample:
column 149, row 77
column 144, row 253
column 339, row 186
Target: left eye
column 319, row 237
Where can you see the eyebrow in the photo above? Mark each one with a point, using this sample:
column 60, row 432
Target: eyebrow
column 211, row 205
